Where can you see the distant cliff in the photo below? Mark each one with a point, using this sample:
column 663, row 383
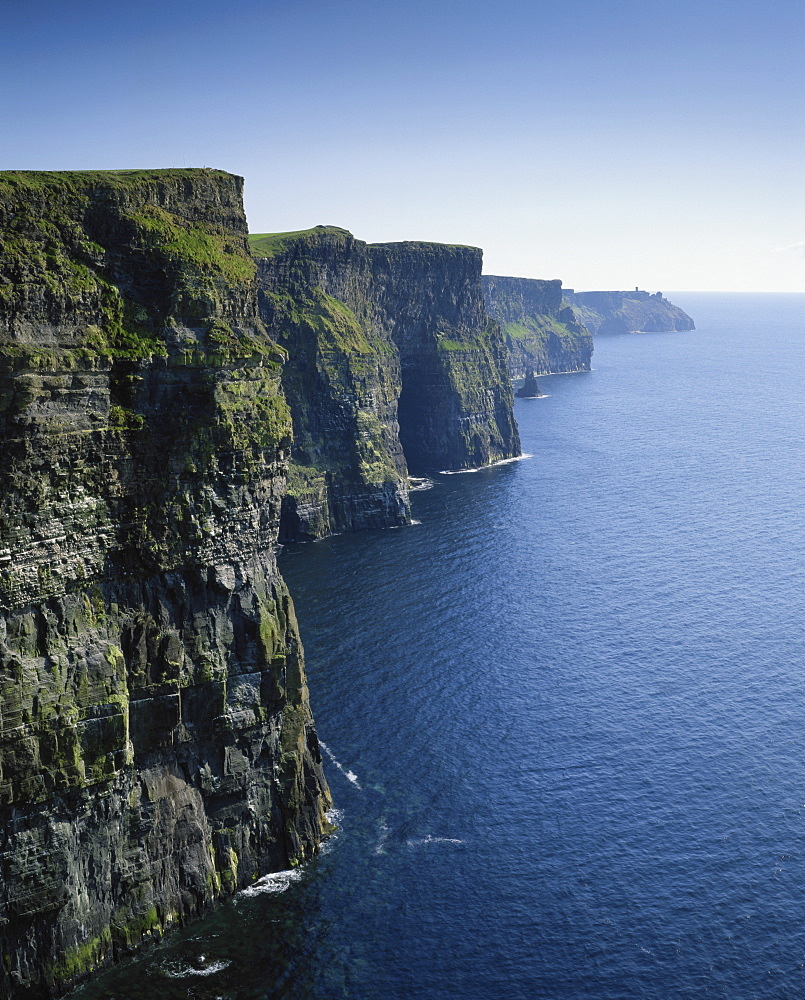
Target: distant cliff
column 156, row 745
column 456, row 400
column 627, row 312
column 542, row 333
column 342, row 380
column 391, row 362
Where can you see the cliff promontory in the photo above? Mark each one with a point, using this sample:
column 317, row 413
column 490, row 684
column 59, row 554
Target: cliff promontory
column 456, row 398
column 341, row 379
column 627, row 312
column 542, row 333
column 392, row 363
column 156, row 745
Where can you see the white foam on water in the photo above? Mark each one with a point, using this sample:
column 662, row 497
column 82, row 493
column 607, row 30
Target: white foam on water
column 182, row 971
column 349, row 775
column 420, row 483
column 492, row 465
column 333, row 816
column 414, row 521
column 433, row 840
column 273, row 883
column 380, row 846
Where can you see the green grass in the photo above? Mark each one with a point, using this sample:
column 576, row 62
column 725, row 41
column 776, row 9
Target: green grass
column 77, row 180
column 445, row 344
column 205, row 246
column 270, row 244
column 424, row 245
column 45, row 250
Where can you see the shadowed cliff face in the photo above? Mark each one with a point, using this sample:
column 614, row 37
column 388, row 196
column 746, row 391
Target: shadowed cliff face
column 627, row 312
column 341, row 379
column 391, row 358
column 456, row 399
column 542, row 335
column 156, row 744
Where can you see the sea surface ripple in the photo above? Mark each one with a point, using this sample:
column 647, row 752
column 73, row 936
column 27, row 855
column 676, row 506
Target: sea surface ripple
column 564, row 713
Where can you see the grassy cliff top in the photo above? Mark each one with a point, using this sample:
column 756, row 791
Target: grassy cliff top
column 33, row 179
column 516, row 280
column 107, row 261
column 424, row 245
column 269, row 244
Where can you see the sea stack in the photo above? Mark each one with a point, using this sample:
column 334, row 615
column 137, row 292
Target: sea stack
column 530, row 389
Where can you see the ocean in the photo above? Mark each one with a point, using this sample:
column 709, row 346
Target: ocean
column 563, row 714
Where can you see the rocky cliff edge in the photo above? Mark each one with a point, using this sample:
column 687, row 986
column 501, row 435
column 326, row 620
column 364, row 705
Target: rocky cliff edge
column 542, row 333
column 627, row 312
column 156, row 745
column 392, row 362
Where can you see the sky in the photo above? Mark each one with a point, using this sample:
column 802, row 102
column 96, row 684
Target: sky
column 609, row 144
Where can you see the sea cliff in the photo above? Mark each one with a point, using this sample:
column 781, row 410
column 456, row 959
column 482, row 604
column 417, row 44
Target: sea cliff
column 456, row 398
column 627, row 312
column 169, row 405
column 341, row 379
column 392, row 362
column 157, row 749
column 542, row 333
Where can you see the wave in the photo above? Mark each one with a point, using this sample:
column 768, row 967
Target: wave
column 349, row 775
column 380, row 846
column 480, row 468
column 274, row 883
column 333, row 816
column 433, row 840
column 176, row 970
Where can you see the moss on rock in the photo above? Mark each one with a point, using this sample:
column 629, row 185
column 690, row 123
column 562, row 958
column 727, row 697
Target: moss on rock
column 151, row 677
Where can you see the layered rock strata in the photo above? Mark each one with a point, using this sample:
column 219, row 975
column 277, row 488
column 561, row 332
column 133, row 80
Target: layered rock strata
column 542, row 333
column 392, row 362
column 627, row 312
column 157, row 749
column 342, row 381
column 456, row 401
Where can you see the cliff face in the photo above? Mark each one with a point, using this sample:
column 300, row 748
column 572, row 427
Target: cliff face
column 627, row 312
column 391, row 361
column 456, row 398
column 542, row 334
column 156, row 744
column 342, row 381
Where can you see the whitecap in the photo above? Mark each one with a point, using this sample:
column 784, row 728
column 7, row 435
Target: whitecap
column 420, row 483
column 480, row 468
column 176, row 970
column 273, row 883
column 380, row 846
column 434, row 840
column 349, row 775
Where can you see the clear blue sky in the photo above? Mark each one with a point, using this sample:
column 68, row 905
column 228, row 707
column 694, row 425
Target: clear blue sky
column 607, row 144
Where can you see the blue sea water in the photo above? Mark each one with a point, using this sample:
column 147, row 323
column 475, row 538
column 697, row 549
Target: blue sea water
column 564, row 714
